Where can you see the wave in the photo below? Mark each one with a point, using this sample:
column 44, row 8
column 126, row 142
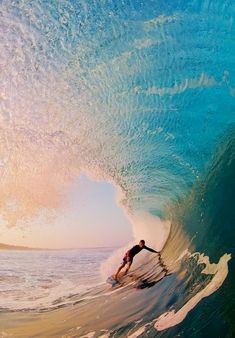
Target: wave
column 133, row 95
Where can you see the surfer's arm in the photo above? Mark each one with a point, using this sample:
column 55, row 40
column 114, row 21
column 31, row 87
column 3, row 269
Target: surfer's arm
column 151, row 250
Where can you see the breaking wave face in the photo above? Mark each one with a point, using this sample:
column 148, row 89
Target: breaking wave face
column 140, row 94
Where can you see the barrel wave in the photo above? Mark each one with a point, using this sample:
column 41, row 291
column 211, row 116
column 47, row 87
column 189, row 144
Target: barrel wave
column 142, row 95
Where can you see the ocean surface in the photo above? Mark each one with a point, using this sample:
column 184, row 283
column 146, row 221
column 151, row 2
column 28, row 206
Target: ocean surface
column 140, row 94
column 40, row 280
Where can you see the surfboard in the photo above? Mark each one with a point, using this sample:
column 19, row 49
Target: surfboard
column 112, row 281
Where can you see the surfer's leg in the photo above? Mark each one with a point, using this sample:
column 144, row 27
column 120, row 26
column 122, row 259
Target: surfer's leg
column 128, row 267
column 119, row 269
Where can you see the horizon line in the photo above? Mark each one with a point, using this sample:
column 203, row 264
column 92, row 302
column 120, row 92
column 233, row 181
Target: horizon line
column 12, row 246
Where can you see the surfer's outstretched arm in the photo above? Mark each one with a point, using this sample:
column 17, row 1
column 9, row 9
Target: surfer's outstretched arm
column 151, row 250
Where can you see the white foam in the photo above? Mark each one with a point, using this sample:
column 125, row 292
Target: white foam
column 150, row 228
column 183, row 254
column 203, row 81
column 106, row 335
column 138, row 332
column 159, row 20
column 172, row 318
column 88, row 335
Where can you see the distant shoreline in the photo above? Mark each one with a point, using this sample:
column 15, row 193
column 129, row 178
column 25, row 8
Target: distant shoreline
column 17, row 247
column 26, row 248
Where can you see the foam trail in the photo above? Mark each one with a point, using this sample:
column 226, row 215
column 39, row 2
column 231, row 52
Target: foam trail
column 172, row 318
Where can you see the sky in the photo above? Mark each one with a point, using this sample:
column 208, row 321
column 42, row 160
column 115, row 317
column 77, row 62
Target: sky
column 89, row 217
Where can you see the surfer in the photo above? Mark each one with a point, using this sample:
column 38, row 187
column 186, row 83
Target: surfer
column 129, row 255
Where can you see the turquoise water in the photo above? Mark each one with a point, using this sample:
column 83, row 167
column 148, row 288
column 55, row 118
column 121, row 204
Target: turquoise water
column 137, row 93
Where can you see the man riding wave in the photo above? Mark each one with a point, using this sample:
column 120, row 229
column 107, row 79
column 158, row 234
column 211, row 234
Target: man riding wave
column 129, row 255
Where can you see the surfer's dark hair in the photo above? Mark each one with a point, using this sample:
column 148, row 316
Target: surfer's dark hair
column 143, row 241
